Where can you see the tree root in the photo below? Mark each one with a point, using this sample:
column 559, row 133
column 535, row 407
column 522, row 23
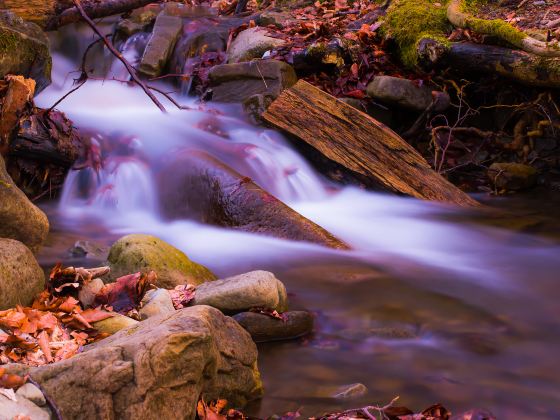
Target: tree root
column 460, row 18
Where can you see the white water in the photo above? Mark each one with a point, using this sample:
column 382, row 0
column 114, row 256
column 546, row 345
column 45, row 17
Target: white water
column 380, row 228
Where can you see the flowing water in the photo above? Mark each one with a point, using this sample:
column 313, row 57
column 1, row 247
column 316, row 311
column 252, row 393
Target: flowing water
column 462, row 313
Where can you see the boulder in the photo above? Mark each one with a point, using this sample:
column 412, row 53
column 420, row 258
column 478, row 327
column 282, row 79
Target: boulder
column 156, row 370
column 156, row 302
column 512, row 176
column 252, row 43
column 160, row 46
column 265, row 328
column 237, row 82
column 21, row 219
column 257, row 289
column 24, row 50
column 21, row 277
column 21, row 409
column 207, row 190
column 406, row 94
column 133, row 253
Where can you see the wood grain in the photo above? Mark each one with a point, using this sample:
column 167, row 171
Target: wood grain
column 359, row 143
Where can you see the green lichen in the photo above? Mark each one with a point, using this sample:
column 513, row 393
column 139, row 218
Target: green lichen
column 410, row 21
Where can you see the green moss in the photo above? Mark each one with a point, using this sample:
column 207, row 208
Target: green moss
column 410, row 21
column 498, row 28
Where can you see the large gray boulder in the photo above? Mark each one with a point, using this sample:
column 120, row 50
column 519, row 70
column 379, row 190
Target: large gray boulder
column 161, row 44
column 136, row 252
column 21, row 277
column 252, row 43
column 406, row 94
column 237, row 82
column 20, row 219
column 24, row 50
column 156, row 370
column 257, row 289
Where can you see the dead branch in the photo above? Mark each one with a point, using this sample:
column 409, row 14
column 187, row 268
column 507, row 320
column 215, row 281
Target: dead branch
column 119, row 56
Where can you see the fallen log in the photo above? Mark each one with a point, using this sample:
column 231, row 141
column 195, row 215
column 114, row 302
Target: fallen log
column 200, row 187
column 360, row 143
column 468, row 57
column 52, row 14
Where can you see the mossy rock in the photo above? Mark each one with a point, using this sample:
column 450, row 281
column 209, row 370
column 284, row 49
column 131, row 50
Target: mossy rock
column 24, row 50
column 134, row 253
column 410, row 21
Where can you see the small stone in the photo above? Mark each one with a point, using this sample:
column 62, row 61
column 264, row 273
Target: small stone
column 252, row 43
column 32, row 393
column 114, row 324
column 87, row 249
column 266, row 328
column 407, row 94
column 22, row 407
column 512, row 176
column 160, row 46
column 87, row 293
column 156, row 302
column 257, row 289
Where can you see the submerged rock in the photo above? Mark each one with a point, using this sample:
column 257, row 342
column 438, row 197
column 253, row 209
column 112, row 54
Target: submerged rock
column 265, row 328
column 512, row 176
column 252, row 43
column 341, row 392
column 257, row 289
column 406, row 93
column 156, row 370
column 24, row 50
column 144, row 253
column 160, row 46
column 207, row 190
column 237, row 82
column 21, row 277
column 21, row 219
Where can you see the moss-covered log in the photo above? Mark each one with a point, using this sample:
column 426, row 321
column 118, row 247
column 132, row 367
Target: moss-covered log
column 52, row 14
column 458, row 16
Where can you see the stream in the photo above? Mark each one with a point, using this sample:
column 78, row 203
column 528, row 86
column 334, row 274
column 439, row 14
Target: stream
column 433, row 303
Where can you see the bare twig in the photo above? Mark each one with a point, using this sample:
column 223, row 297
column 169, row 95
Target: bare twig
column 119, row 56
column 54, row 409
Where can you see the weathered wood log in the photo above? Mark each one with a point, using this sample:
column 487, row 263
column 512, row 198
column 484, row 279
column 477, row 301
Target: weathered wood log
column 200, row 187
column 52, row 14
column 360, row 143
column 468, row 57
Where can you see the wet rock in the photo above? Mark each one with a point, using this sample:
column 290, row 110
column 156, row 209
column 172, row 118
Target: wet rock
column 156, row 302
column 326, row 56
column 21, row 219
column 24, row 50
column 265, row 328
column 22, row 408
column 406, row 94
column 257, row 289
column 252, row 43
column 87, row 249
column 89, row 290
column 114, row 324
column 144, row 253
column 21, row 277
column 160, row 46
column 32, row 393
column 207, row 190
column 512, row 176
column 237, row 82
column 254, row 106
column 278, row 19
column 138, row 21
column 157, row 369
